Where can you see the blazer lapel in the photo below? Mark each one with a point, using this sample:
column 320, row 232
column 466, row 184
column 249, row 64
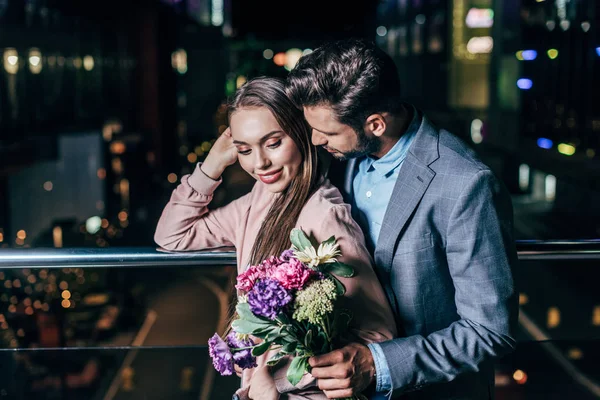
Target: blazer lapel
column 413, row 180
column 349, row 179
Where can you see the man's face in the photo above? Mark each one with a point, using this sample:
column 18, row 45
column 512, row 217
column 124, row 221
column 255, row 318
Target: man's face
column 340, row 140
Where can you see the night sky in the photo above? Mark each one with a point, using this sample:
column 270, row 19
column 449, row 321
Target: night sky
column 307, row 19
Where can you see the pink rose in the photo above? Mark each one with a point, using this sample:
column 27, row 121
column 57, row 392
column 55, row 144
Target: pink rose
column 292, row 274
column 270, row 263
column 247, row 279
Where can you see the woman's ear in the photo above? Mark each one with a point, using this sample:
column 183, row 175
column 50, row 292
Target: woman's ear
column 376, row 124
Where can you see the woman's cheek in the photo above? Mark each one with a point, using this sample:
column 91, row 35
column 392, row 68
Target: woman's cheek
column 245, row 164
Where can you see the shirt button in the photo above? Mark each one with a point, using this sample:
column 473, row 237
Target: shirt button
column 369, row 194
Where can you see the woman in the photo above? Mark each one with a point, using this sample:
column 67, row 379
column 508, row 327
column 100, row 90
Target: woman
column 271, row 140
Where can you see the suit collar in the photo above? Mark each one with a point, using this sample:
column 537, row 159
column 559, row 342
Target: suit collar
column 425, row 146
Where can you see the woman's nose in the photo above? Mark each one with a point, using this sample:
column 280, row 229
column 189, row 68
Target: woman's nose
column 261, row 161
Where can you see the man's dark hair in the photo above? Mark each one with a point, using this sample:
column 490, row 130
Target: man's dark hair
column 352, row 76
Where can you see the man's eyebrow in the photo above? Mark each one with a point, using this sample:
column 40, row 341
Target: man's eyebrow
column 323, row 132
column 262, row 139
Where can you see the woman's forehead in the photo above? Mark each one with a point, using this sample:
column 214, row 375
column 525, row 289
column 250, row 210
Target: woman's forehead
column 252, row 124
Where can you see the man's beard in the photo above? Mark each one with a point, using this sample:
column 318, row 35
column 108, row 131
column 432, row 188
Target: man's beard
column 366, row 145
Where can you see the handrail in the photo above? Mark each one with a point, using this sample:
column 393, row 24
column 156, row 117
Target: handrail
column 115, row 257
column 127, row 257
column 532, row 250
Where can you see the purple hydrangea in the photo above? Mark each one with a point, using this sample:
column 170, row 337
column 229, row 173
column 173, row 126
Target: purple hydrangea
column 286, row 255
column 221, row 355
column 267, row 298
column 243, row 358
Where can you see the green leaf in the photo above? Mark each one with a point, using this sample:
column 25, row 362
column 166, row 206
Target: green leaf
column 290, row 347
column 339, row 269
column 297, row 369
column 283, row 319
column 247, row 327
column 244, row 312
column 339, row 286
column 261, row 348
column 331, row 240
column 299, row 239
column 308, row 339
column 275, row 359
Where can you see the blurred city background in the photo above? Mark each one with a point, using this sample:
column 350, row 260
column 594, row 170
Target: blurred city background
column 104, row 105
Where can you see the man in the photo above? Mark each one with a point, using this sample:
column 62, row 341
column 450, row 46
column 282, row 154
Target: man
column 439, row 224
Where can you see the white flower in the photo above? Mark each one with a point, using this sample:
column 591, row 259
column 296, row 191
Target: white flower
column 326, row 253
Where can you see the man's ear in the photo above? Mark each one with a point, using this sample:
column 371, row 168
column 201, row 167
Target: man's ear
column 376, row 124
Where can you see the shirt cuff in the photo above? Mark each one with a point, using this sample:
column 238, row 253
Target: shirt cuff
column 201, row 182
column 383, row 381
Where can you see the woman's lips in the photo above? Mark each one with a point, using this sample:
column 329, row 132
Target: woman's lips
column 271, row 177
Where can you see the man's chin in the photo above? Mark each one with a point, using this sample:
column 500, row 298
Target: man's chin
column 349, row 155
column 339, row 156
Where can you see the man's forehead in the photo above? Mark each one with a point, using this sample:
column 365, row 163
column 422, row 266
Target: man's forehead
column 320, row 114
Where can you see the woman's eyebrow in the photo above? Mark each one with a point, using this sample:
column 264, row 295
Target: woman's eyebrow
column 262, row 139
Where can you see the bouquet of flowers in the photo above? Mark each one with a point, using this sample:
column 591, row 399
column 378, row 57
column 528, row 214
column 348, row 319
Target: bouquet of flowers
column 289, row 302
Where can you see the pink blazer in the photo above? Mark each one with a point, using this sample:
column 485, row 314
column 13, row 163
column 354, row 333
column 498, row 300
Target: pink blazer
column 187, row 224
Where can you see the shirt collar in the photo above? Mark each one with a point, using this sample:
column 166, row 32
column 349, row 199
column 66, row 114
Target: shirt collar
column 386, row 164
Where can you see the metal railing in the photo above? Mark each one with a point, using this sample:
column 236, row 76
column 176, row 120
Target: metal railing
column 122, row 257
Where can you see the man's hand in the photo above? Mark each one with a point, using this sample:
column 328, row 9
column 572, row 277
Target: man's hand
column 345, row 372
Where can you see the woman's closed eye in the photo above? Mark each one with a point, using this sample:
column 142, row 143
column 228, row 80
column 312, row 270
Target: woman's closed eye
column 274, row 145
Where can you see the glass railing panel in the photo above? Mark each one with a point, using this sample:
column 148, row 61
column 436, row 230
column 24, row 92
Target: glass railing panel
column 174, row 373
column 74, row 307
column 142, row 318
column 535, row 371
column 559, row 299
column 550, row 370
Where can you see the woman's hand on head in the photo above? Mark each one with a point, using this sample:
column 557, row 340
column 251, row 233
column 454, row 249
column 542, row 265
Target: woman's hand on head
column 222, row 154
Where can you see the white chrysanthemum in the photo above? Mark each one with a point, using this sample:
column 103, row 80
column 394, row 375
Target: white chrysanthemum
column 326, row 253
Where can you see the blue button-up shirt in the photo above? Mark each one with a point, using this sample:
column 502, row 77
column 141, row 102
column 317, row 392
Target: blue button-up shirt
column 372, row 187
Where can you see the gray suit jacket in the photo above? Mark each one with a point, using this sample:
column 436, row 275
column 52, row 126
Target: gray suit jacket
column 445, row 257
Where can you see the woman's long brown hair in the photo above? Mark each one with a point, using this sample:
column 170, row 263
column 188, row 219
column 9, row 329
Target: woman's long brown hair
column 274, row 234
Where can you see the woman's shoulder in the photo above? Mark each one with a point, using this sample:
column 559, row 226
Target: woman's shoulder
column 326, row 199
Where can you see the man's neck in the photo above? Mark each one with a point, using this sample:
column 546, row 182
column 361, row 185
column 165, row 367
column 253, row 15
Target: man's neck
column 397, row 125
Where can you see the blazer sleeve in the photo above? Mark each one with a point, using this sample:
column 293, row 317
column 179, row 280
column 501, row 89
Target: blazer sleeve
column 186, row 222
column 481, row 256
column 373, row 320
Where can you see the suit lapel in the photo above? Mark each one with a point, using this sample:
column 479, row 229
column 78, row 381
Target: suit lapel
column 410, row 187
column 413, row 180
column 350, row 168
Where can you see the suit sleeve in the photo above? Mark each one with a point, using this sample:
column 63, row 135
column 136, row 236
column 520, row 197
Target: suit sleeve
column 481, row 257
column 186, row 222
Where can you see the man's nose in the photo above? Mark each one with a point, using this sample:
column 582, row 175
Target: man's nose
column 318, row 139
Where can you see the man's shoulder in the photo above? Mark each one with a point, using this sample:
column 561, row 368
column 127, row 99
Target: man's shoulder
column 456, row 157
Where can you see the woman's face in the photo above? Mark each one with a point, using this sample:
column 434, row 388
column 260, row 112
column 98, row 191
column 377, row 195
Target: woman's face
column 265, row 151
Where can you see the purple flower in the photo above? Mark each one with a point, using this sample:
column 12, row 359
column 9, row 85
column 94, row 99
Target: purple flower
column 221, row 355
column 243, row 358
column 268, row 298
column 286, row 255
